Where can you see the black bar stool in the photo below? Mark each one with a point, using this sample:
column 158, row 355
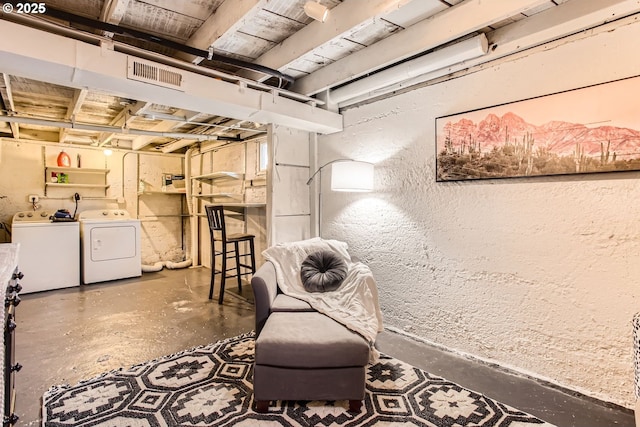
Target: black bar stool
column 217, row 228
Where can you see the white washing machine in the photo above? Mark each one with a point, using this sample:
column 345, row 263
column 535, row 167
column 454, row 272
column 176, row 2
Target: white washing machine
column 110, row 244
column 49, row 254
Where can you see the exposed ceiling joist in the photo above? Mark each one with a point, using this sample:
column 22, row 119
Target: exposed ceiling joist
column 181, row 143
column 563, row 20
column 78, row 139
column 123, row 119
column 142, row 141
column 39, row 134
column 176, row 145
column 75, row 104
column 7, row 98
column 343, row 18
column 448, row 25
column 74, row 107
column 112, row 12
column 221, row 129
column 225, row 20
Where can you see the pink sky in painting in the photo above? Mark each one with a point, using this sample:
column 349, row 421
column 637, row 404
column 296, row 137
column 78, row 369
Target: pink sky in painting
column 611, row 104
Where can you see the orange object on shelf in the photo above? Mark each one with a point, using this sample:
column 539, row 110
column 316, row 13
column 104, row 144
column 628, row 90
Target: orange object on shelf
column 64, row 160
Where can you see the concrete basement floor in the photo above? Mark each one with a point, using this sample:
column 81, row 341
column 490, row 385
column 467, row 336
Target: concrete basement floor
column 67, row 335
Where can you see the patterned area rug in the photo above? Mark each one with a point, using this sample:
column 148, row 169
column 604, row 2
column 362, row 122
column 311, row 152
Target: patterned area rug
column 211, row 386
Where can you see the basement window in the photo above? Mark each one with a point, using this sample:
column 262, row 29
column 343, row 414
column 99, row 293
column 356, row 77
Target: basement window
column 263, row 157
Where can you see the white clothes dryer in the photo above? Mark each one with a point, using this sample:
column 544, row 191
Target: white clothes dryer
column 110, row 245
column 49, row 253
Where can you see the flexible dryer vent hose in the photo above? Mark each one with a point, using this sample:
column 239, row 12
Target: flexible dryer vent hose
column 169, row 264
column 152, row 268
column 175, row 265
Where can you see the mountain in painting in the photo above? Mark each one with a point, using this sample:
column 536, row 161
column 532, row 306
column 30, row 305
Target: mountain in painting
column 509, row 146
column 558, row 137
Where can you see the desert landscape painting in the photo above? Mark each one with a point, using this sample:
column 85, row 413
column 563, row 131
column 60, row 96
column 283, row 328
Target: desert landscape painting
column 587, row 130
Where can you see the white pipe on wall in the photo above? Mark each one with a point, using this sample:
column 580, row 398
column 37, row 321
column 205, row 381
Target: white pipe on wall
column 459, row 52
column 83, row 147
column 193, row 218
column 103, row 128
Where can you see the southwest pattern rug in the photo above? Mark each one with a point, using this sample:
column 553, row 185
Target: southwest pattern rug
column 212, row 386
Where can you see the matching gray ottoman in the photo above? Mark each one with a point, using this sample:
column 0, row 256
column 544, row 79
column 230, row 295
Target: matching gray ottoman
column 301, row 354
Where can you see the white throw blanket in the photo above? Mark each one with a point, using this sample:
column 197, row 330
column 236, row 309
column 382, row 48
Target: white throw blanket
column 354, row 304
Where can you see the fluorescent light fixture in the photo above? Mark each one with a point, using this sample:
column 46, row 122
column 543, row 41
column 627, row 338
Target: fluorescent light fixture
column 352, row 176
column 316, row 11
column 107, row 152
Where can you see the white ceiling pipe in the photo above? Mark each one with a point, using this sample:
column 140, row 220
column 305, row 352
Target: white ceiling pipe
column 445, row 57
column 101, row 128
column 451, row 24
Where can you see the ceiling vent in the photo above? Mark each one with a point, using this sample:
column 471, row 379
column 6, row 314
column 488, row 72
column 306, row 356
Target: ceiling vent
column 151, row 72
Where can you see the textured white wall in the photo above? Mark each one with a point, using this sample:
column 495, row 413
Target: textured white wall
column 288, row 192
column 540, row 275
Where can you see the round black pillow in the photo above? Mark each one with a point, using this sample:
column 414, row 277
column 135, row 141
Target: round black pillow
column 323, row 271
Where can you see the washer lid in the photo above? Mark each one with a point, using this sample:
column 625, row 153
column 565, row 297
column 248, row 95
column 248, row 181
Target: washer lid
column 32, row 216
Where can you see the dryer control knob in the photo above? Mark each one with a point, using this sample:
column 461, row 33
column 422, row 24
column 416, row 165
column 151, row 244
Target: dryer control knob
column 29, row 214
column 105, row 213
column 43, row 214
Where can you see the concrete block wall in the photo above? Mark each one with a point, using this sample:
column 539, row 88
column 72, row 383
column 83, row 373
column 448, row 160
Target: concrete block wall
column 538, row 275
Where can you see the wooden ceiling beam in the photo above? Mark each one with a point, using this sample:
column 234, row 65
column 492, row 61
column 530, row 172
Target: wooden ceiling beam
column 112, row 13
column 176, row 145
column 39, row 134
column 123, row 119
column 164, row 126
column 455, row 22
column 214, row 128
column 75, row 104
column 73, row 108
column 229, row 16
column 342, row 18
column 7, row 98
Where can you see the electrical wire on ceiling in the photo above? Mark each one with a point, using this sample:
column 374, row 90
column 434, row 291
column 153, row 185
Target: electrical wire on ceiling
column 210, row 57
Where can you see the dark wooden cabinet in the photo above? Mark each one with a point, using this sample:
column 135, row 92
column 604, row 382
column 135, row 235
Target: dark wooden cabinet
column 10, row 276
